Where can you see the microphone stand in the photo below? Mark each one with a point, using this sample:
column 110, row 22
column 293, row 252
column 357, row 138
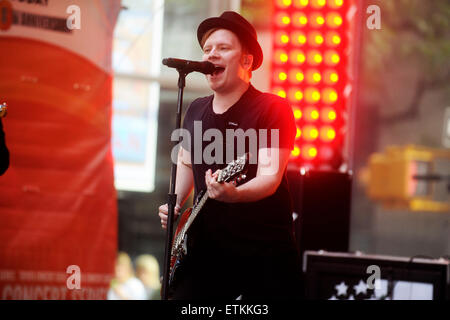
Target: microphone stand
column 172, row 197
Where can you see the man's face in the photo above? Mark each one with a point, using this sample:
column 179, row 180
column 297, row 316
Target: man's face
column 223, row 49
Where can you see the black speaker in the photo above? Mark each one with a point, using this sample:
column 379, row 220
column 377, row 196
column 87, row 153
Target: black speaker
column 321, row 203
column 358, row 276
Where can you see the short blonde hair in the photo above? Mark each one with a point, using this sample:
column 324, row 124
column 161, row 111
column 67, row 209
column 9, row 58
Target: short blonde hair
column 124, row 259
column 206, row 36
column 149, row 263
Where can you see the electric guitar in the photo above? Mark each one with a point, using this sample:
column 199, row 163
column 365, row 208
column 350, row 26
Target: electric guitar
column 236, row 171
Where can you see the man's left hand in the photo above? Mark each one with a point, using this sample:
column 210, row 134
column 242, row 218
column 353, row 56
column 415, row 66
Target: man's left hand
column 225, row 192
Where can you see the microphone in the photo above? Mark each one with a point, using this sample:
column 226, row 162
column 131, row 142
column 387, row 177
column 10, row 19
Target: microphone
column 188, row 66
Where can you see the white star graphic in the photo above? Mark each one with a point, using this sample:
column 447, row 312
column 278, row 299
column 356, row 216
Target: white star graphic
column 360, row 288
column 333, row 297
column 351, row 297
column 341, row 288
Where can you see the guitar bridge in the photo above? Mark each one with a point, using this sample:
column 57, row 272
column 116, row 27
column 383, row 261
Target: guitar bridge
column 181, row 247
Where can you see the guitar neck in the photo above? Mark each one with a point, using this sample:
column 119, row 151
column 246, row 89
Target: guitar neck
column 194, row 214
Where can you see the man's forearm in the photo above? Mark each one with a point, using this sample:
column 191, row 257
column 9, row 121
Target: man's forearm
column 184, row 183
column 271, row 167
column 256, row 189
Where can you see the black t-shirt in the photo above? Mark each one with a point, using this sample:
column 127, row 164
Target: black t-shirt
column 250, row 226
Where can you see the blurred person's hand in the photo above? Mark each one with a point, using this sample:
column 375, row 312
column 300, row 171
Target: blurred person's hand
column 164, row 211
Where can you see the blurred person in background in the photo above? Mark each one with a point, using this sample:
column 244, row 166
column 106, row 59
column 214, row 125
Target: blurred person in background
column 147, row 270
column 125, row 286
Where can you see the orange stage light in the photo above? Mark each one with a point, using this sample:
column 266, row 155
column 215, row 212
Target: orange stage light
column 296, row 151
column 299, row 19
column 312, row 42
column 297, row 114
column 300, row 3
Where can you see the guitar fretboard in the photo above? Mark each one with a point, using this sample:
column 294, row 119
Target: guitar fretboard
column 191, row 219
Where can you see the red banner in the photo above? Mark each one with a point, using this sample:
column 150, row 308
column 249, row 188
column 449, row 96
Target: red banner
column 58, row 210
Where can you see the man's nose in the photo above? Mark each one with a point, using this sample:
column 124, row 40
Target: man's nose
column 213, row 54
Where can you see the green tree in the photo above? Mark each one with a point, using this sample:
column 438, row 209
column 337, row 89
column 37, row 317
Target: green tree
column 410, row 29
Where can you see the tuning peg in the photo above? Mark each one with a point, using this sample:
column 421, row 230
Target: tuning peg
column 243, row 176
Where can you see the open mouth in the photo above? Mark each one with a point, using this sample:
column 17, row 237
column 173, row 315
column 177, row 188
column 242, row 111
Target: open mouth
column 219, row 70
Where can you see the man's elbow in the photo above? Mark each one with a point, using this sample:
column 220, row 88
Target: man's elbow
column 273, row 182
column 188, row 165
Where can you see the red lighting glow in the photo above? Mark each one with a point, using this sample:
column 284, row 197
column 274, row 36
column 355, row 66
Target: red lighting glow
column 312, row 42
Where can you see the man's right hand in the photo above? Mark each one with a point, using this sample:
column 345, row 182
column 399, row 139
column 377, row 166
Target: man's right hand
column 164, row 211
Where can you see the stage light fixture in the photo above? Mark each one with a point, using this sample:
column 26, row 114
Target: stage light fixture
column 297, row 113
column 300, row 3
column 296, row 151
column 311, row 56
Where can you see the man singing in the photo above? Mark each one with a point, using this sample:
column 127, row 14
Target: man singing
column 242, row 242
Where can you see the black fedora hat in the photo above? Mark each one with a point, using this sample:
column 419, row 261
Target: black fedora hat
column 234, row 22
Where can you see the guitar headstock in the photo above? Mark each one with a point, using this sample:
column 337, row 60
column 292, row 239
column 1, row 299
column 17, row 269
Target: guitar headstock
column 3, row 108
column 235, row 169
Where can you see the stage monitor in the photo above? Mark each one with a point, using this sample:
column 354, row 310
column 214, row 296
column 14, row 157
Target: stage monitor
column 358, row 276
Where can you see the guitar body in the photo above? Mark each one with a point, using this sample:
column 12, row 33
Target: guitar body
column 183, row 219
column 178, row 255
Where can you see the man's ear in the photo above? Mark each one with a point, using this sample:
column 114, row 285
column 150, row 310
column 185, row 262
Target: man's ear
column 247, row 61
